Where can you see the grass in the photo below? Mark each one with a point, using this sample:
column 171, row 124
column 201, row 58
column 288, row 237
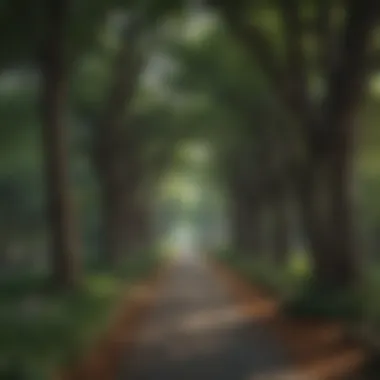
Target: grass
column 40, row 330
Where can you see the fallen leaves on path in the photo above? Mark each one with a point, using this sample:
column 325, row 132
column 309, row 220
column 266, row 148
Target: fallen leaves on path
column 319, row 349
column 103, row 359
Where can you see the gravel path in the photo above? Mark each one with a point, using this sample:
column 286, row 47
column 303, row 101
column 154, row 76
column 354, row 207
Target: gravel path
column 196, row 332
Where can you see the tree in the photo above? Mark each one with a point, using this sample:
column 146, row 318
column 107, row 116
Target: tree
column 340, row 62
column 251, row 161
column 112, row 148
column 65, row 244
column 117, row 148
column 46, row 41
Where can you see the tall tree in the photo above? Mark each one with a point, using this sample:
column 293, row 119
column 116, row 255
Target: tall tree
column 340, row 63
column 112, row 148
column 65, row 244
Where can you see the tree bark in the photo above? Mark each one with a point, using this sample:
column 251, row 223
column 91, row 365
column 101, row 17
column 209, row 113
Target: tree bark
column 326, row 200
column 342, row 233
column 281, row 240
column 112, row 224
column 65, row 244
column 144, row 224
column 113, row 151
column 132, row 239
column 246, row 227
column 5, row 262
column 325, row 189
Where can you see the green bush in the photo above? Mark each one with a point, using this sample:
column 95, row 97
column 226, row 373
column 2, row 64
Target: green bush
column 281, row 281
column 314, row 301
column 41, row 330
column 294, row 284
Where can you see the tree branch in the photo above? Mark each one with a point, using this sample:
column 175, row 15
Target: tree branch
column 258, row 45
column 325, row 35
column 263, row 53
column 347, row 77
column 295, row 57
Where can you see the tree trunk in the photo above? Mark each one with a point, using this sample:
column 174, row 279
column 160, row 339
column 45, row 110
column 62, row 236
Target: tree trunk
column 113, row 234
column 111, row 146
column 334, row 243
column 65, row 243
column 327, row 209
column 281, row 229
column 131, row 239
column 246, row 227
column 5, row 262
column 343, row 270
column 143, row 225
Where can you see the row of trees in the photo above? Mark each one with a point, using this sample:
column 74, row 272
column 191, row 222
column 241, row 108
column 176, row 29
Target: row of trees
column 337, row 61
column 103, row 141
column 285, row 79
column 293, row 75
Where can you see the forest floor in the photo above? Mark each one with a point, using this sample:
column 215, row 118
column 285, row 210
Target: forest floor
column 319, row 350
column 208, row 323
column 196, row 320
column 199, row 330
column 101, row 360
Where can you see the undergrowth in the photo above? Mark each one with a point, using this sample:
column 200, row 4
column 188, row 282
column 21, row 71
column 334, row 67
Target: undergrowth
column 300, row 295
column 41, row 330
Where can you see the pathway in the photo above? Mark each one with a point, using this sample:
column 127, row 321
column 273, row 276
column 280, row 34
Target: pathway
column 197, row 332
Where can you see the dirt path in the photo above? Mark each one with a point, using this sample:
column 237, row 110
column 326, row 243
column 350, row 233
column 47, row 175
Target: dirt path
column 198, row 332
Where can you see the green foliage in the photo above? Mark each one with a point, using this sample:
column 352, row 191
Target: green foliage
column 283, row 282
column 370, row 304
column 51, row 329
column 294, row 285
column 40, row 330
column 139, row 263
column 20, row 286
column 217, row 94
column 231, row 80
column 316, row 302
column 20, row 43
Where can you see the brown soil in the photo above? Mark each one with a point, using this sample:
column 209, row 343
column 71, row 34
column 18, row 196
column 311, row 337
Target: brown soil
column 103, row 359
column 319, row 349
